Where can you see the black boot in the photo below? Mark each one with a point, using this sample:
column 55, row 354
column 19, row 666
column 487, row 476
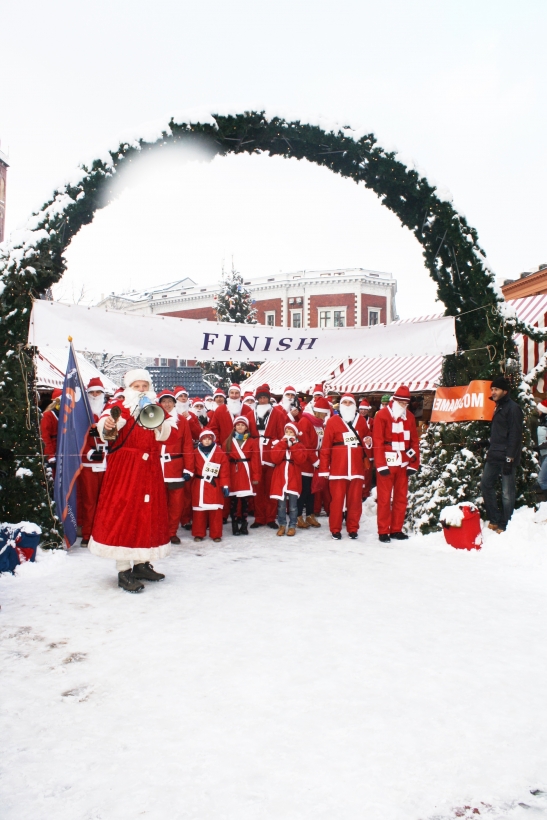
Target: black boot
column 399, row 536
column 146, row 572
column 235, row 527
column 255, row 525
column 384, row 538
column 127, row 581
column 243, row 530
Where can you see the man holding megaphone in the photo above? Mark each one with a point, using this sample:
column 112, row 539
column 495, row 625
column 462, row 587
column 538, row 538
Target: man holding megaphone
column 131, row 522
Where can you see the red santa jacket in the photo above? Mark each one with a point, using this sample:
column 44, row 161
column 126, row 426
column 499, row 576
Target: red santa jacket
column 196, row 425
column 48, row 429
column 177, row 453
column 342, row 454
column 245, row 466
column 396, row 442
column 275, row 428
column 211, row 474
column 222, row 422
column 94, row 453
column 310, row 434
column 287, row 474
column 264, row 440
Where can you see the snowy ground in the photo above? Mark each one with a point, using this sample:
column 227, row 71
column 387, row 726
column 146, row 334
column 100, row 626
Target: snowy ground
column 280, row 679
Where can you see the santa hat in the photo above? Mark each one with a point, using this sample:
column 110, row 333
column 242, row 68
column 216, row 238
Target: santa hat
column 137, row 375
column 318, row 390
column 95, row 384
column 349, row 396
column 292, row 426
column 364, row 403
column 542, row 406
column 197, row 400
column 321, row 404
column 57, row 393
column 179, row 390
column 263, row 390
column 208, row 398
column 289, row 389
column 207, row 432
column 165, row 394
column 235, row 386
column 402, row 394
column 220, row 392
column 247, row 397
column 242, row 420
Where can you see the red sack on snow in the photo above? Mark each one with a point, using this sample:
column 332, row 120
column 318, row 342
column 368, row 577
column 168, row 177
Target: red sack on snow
column 462, row 527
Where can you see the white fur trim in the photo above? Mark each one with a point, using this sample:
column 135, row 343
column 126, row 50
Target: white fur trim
column 137, row 375
column 128, row 553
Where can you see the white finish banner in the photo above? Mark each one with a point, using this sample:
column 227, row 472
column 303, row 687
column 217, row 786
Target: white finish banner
column 98, row 331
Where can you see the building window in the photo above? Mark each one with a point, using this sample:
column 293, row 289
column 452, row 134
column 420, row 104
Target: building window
column 373, row 316
column 332, row 317
column 296, row 318
column 163, row 363
column 269, row 318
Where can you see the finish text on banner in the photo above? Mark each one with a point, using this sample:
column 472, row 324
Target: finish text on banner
column 469, row 403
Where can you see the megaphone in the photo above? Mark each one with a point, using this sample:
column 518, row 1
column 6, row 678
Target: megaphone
column 148, row 414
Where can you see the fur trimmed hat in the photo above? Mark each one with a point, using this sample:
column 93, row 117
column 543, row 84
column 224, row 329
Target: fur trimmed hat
column 220, row 392
column 318, row 390
column 178, row 390
column 349, row 396
column 137, row 375
column 364, row 403
column 95, row 384
column 235, row 386
column 289, row 389
column 197, row 400
column 241, row 420
column 207, row 432
column 57, row 393
column 321, row 404
column 165, row 394
column 292, row 426
column 402, row 394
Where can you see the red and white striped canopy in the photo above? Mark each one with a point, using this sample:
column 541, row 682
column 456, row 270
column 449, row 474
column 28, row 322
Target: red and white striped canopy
column 385, row 375
column 533, row 310
column 303, row 374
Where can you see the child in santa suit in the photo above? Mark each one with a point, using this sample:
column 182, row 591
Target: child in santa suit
column 396, row 455
column 91, row 476
column 289, row 456
column 177, row 461
column 245, row 469
column 365, row 409
column 346, row 443
column 310, row 434
column 210, row 487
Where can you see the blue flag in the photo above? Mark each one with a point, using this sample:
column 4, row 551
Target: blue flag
column 75, row 419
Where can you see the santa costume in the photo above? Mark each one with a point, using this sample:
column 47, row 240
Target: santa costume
column 396, row 456
column 48, row 428
column 210, row 487
column 288, row 456
column 365, row 408
column 199, row 418
column 346, row 443
column 131, row 524
column 310, row 434
column 243, row 455
column 91, row 476
column 265, row 508
column 177, row 462
column 222, row 422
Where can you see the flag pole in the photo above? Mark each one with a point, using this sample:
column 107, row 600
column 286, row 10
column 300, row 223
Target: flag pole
column 86, row 402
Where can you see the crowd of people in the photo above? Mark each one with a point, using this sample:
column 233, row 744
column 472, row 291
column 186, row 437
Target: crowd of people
column 222, row 459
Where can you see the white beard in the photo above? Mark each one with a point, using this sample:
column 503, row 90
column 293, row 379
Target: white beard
column 96, row 404
column 286, row 404
column 262, row 410
column 132, row 397
column 398, row 410
column 234, row 406
column 182, row 406
column 210, row 405
column 347, row 412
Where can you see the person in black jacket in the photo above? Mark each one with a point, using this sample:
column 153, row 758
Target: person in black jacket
column 503, row 456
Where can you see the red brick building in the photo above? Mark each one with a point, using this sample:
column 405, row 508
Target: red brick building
column 346, row 297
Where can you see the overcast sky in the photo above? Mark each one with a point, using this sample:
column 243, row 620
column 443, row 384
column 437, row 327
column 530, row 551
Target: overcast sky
column 457, row 85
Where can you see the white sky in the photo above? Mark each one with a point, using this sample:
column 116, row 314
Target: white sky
column 460, row 86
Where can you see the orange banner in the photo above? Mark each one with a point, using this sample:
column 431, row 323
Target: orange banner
column 469, row 403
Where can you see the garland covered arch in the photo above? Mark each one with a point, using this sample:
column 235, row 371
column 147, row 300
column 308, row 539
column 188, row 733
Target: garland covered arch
column 32, row 260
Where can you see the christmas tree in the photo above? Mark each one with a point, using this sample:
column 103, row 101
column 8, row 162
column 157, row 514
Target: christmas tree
column 234, row 303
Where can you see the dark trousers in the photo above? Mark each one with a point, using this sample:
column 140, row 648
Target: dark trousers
column 306, row 498
column 489, row 481
column 234, row 499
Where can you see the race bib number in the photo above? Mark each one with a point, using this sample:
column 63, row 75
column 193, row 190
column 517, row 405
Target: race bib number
column 393, row 459
column 210, row 471
column 350, row 440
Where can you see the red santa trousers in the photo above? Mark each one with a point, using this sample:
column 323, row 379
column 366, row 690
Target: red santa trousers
column 367, row 485
column 391, row 510
column 265, row 507
column 175, row 503
column 202, row 519
column 322, row 500
column 88, row 489
column 186, row 508
column 352, row 493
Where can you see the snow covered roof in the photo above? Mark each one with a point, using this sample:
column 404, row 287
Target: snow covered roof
column 170, row 287
column 51, row 369
column 385, row 375
column 303, row 375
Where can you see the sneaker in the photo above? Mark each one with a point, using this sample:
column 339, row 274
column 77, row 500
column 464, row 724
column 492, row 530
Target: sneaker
column 127, row 581
column 255, row 525
column 146, row 572
column 272, row 525
column 175, row 539
column 281, row 531
column 216, row 540
column 291, row 531
column 352, row 535
column 301, row 524
column 399, row 536
column 84, row 542
column 336, row 535
column 197, row 538
column 385, row 539
column 312, row 521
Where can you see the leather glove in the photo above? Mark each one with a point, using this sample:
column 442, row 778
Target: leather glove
column 383, row 471
column 225, row 492
column 186, row 477
column 508, row 467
